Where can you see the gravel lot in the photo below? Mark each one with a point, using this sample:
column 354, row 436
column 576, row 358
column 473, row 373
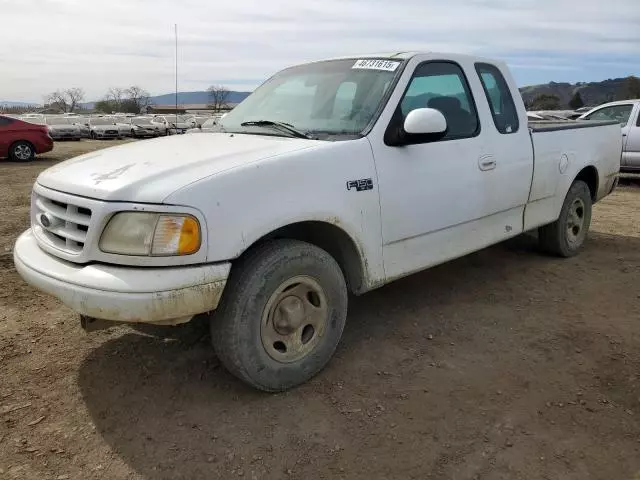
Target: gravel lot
column 506, row 364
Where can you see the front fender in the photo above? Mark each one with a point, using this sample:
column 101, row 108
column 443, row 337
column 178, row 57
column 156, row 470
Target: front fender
column 244, row 204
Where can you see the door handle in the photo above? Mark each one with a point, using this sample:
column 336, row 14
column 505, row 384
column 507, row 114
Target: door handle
column 486, row 162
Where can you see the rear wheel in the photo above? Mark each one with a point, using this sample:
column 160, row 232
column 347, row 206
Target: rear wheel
column 567, row 235
column 281, row 316
column 22, row 151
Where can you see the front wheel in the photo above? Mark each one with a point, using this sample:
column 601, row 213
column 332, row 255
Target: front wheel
column 281, row 316
column 22, row 151
column 567, row 235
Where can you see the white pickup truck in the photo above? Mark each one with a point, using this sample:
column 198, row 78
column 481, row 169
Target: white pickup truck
column 332, row 177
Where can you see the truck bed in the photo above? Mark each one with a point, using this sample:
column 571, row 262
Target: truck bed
column 561, row 150
column 553, row 125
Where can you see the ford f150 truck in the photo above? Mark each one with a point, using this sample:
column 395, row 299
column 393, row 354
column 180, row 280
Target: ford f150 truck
column 332, row 177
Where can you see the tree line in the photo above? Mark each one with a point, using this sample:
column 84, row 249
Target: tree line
column 124, row 100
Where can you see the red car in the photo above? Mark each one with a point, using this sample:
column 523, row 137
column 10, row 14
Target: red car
column 20, row 141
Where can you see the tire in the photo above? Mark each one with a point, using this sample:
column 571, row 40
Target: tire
column 274, row 340
column 22, row 151
column 567, row 236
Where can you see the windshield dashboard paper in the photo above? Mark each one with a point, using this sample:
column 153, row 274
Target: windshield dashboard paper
column 373, row 64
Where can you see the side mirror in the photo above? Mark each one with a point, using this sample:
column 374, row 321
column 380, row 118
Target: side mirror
column 422, row 121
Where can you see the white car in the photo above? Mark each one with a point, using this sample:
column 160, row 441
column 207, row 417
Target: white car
column 627, row 114
column 102, row 128
column 389, row 165
column 63, row 128
column 161, row 123
column 124, row 125
column 143, row 127
column 83, row 125
column 178, row 124
column 208, row 125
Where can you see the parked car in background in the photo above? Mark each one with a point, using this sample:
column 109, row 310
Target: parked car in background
column 103, row 128
column 546, row 115
column 199, row 120
column 142, row 127
column 63, row 128
column 21, row 140
column 83, row 125
column 161, row 123
column 209, row 125
column 124, row 125
column 269, row 225
column 627, row 114
column 178, row 124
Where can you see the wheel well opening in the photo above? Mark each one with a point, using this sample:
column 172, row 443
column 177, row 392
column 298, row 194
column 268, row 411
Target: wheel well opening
column 333, row 240
column 22, row 141
column 589, row 175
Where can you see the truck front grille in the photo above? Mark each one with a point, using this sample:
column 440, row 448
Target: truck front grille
column 63, row 225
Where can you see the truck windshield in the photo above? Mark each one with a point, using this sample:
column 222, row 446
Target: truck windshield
column 336, row 97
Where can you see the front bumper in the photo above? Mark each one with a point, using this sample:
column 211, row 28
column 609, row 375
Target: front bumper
column 125, row 294
column 106, row 135
column 65, row 136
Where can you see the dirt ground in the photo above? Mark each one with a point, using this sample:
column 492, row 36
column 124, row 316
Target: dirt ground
column 506, row 364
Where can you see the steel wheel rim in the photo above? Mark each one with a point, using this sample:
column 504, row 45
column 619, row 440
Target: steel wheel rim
column 294, row 319
column 23, row 152
column 575, row 221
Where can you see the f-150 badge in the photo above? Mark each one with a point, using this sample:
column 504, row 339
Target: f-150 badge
column 360, row 185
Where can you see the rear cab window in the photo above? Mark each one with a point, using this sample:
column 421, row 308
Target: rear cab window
column 496, row 89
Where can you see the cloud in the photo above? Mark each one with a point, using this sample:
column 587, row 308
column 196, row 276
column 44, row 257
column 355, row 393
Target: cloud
column 49, row 44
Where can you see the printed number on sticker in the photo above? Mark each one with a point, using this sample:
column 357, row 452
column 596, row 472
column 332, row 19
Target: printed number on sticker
column 373, row 64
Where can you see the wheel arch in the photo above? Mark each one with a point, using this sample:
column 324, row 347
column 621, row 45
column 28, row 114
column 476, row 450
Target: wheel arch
column 590, row 176
column 331, row 238
column 23, row 141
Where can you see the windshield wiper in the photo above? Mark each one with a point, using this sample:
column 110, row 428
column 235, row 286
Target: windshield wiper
column 279, row 125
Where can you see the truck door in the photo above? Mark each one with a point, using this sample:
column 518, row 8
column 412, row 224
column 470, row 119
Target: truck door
column 632, row 146
column 441, row 197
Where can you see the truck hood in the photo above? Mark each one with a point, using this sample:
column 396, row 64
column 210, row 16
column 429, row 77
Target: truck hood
column 150, row 170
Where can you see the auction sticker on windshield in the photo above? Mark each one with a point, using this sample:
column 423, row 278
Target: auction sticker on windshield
column 373, row 64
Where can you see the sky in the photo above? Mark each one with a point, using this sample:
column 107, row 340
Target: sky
column 96, row 44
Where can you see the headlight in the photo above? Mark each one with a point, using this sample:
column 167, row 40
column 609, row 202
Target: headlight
column 156, row 234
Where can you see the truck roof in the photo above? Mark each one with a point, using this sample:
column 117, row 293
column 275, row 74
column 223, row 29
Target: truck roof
column 406, row 55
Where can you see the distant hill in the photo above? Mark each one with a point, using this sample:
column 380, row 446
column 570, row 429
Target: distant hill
column 7, row 103
column 592, row 93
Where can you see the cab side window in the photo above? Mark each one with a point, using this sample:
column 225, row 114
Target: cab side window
column 443, row 86
column 503, row 108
